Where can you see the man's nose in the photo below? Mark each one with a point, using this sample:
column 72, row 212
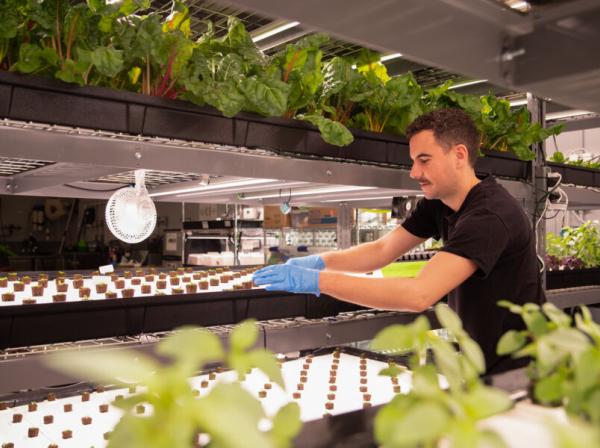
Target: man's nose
column 414, row 172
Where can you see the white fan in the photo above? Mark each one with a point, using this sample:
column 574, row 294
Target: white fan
column 130, row 213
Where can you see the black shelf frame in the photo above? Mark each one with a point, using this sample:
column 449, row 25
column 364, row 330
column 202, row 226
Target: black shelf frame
column 25, row 325
column 586, row 177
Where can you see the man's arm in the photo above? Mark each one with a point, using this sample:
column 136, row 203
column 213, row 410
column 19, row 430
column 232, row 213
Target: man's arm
column 368, row 257
column 443, row 273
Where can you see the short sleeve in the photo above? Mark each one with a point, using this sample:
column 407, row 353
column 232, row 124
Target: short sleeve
column 481, row 238
column 423, row 220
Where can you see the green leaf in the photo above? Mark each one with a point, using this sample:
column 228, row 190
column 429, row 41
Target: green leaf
column 422, row 424
column 536, row 323
column 107, row 366
column 448, row 363
column 333, row 132
column 33, row 59
column 473, row 353
column 394, row 338
column 510, row 342
column 286, row 424
column 265, row 361
column 549, row 390
column 482, row 402
column 9, row 18
column 192, row 347
column 108, row 61
column 244, row 336
column 448, row 318
column 393, row 371
column 516, row 309
column 268, row 97
column 232, row 404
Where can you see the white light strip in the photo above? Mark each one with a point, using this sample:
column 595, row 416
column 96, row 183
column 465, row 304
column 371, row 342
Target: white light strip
column 566, row 114
column 313, row 192
column 516, row 103
column 235, row 189
column 519, row 5
column 467, row 83
column 215, row 187
column 389, row 57
column 277, row 30
column 357, row 199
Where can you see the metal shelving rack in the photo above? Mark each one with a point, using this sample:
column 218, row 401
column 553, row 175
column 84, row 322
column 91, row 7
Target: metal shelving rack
column 508, row 51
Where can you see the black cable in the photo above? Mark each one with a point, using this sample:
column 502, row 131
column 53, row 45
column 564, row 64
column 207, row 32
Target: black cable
column 93, row 189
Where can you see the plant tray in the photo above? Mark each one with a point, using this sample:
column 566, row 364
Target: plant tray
column 46, row 100
column 572, row 278
column 587, row 177
column 24, row 325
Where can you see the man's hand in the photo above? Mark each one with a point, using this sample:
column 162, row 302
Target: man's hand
column 287, row 277
column 308, row 262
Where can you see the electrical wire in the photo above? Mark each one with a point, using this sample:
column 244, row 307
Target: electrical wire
column 93, row 189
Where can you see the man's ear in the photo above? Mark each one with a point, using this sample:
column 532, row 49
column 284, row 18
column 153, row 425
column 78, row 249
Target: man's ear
column 462, row 154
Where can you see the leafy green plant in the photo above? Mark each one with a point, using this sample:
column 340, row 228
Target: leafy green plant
column 575, row 243
column 559, row 157
column 566, row 361
column 116, row 44
column 228, row 413
column 430, row 412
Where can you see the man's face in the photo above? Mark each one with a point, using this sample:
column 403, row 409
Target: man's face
column 433, row 167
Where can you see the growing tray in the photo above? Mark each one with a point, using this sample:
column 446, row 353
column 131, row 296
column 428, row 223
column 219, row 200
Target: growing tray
column 572, row 278
column 24, row 325
column 46, row 100
column 587, row 177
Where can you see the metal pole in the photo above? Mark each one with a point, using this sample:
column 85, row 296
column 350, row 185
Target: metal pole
column 183, row 239
column 236, row 235
column 538, row 178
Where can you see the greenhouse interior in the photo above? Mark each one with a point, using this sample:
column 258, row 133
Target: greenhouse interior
column 259, row 223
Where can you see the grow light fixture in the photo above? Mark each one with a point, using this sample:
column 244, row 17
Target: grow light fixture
column 384, row 58
column 316, row 191
column 515, row 103
column 358, row 199
column 215, row 187
column 274, row 31
column 389, row 57
column 467, row 83
column 566, row 114
column 235, row 189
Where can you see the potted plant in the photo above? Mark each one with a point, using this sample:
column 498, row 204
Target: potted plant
column 228, row 414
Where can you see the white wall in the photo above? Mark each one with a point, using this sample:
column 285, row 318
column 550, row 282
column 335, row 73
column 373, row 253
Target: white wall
column 588, row 139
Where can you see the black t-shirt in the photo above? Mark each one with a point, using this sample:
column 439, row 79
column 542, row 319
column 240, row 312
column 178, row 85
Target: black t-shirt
column 492, row 230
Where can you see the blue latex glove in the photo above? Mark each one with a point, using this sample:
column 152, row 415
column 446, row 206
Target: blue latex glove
column 287, row 277
column 308, row 262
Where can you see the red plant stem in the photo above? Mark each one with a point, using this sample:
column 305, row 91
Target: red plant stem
column 162, row 89
column 71, row 37
column 290, row 66
column 58, row 40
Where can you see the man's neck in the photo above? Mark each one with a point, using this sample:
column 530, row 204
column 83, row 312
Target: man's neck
column 455, row 201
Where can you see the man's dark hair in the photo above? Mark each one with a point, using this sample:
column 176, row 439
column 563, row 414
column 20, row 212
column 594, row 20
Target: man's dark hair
column 450, row 127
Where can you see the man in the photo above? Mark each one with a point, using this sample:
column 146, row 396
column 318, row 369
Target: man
column 489, row 251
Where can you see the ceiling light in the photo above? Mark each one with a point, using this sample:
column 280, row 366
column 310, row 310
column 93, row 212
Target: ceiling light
column 389, row 57
column 276, row 30
column 312, row 192
column 235, row 189
column 467, row 83
column 566, row 114
column 358, row 199
column 515, row 103
column 214, row 187
column 520, row 5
